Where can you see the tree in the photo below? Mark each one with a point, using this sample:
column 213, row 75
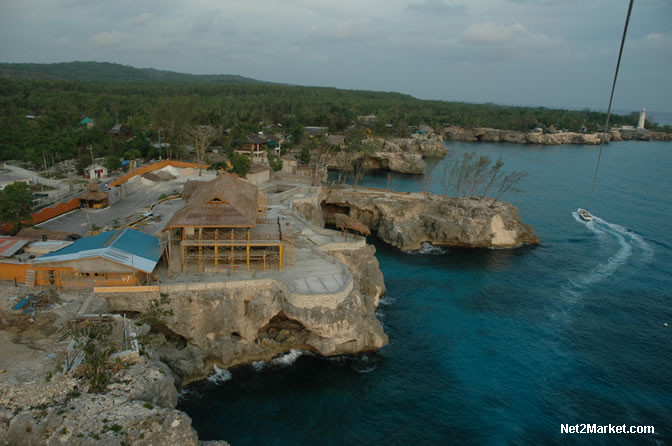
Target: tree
column 495, row 175
column 360, row 163
column 132, row 154
column 241, row 164
column 16, row 202
column 304, row 155
column 200, row 137
column 318, row 158
column 112, row 162
column 274, row 161
column 509, row 183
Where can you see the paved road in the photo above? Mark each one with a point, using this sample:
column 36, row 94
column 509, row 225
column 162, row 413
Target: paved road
column 120, row 213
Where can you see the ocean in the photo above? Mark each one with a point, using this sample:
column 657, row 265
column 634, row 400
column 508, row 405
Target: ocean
column 495, row 346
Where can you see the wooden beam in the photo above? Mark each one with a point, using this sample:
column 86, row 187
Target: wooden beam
column 216, row 248
column 280, row 261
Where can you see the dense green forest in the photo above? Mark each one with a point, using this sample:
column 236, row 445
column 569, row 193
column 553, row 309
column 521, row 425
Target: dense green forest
column 109, row 72
column 172, row 107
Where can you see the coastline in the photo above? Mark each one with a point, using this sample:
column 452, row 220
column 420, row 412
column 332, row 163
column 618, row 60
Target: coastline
column 485, row 134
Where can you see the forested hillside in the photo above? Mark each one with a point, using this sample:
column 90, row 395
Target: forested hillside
column 109, row 72
column 57, row 106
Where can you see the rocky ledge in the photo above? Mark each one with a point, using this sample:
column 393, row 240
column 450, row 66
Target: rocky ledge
column 239, row 322
column 138, row 408
column 404, row 155
column 408, row 221
column 518, row 137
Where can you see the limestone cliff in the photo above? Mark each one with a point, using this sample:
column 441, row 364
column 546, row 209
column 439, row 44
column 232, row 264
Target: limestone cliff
column 519, row 137
column 238, row 322
column 138, row 408
column 404, row 155
column 409, row 220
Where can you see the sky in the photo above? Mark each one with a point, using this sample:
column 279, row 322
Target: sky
column 553, row 53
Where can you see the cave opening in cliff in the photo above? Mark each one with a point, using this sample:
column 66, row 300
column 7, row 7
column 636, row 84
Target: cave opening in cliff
column 284, row 330
column 329, row 210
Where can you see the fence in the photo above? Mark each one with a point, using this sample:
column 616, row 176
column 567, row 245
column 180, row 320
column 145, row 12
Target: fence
column 152, row 167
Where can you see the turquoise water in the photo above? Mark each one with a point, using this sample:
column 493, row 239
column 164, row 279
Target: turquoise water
column 494, row 346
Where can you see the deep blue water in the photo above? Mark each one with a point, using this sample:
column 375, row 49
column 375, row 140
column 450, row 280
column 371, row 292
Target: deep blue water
column 495, row 346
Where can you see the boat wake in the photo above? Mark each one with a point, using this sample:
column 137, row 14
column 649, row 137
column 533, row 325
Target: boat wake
column 626, row 240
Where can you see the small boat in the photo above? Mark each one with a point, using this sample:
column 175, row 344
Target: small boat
column 585, row 215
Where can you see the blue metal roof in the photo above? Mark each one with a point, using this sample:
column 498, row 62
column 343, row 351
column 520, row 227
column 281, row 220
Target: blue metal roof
column 127, row 246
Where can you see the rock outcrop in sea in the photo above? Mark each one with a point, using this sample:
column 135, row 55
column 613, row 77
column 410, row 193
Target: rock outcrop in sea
column 408, row 221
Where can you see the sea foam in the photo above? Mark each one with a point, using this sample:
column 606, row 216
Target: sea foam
column 220, row 376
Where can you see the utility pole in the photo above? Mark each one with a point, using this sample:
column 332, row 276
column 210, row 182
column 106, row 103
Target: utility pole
column 44, row 158
column 91, row 151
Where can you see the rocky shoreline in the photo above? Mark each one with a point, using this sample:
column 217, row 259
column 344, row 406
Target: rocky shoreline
column 233, row 322
column 483, row 134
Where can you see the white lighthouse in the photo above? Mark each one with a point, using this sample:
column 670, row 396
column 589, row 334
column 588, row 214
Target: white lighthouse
column 642, row 119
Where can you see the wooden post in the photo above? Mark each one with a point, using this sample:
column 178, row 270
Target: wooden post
column 280, row 264
column 232, row 236
column 184, row 256
column 247, row 248
column 264, row 260
column 216, row 248
column 200, row 249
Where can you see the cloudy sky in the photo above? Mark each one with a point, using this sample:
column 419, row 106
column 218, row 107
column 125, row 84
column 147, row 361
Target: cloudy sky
column 556, row 53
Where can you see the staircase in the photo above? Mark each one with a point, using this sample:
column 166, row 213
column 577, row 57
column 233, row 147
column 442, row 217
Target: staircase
column 30, row 278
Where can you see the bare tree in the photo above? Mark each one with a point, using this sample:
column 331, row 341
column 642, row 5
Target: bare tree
column 318, row 159
column 461, row 172
column 200, row 137
column 446, row 168
column 494, row 175
column 427, row 177
column 479, row 170
column 508, row 184
column 359, row 162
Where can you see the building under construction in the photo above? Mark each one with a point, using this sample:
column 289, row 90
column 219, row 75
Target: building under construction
column 223, row 227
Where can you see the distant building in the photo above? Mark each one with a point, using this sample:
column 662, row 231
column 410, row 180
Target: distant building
column 87, row 122
column 256, row 145
column 642, row 120
column 95, row 199
column 258, row 174
column 427, row 129
column 313, row 131
column 289, row 163
column 367, row 119
column 120, row 130
column 95, row 171
column 337, row 140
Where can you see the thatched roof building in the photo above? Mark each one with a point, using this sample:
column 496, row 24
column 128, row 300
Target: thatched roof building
column 225, row 201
